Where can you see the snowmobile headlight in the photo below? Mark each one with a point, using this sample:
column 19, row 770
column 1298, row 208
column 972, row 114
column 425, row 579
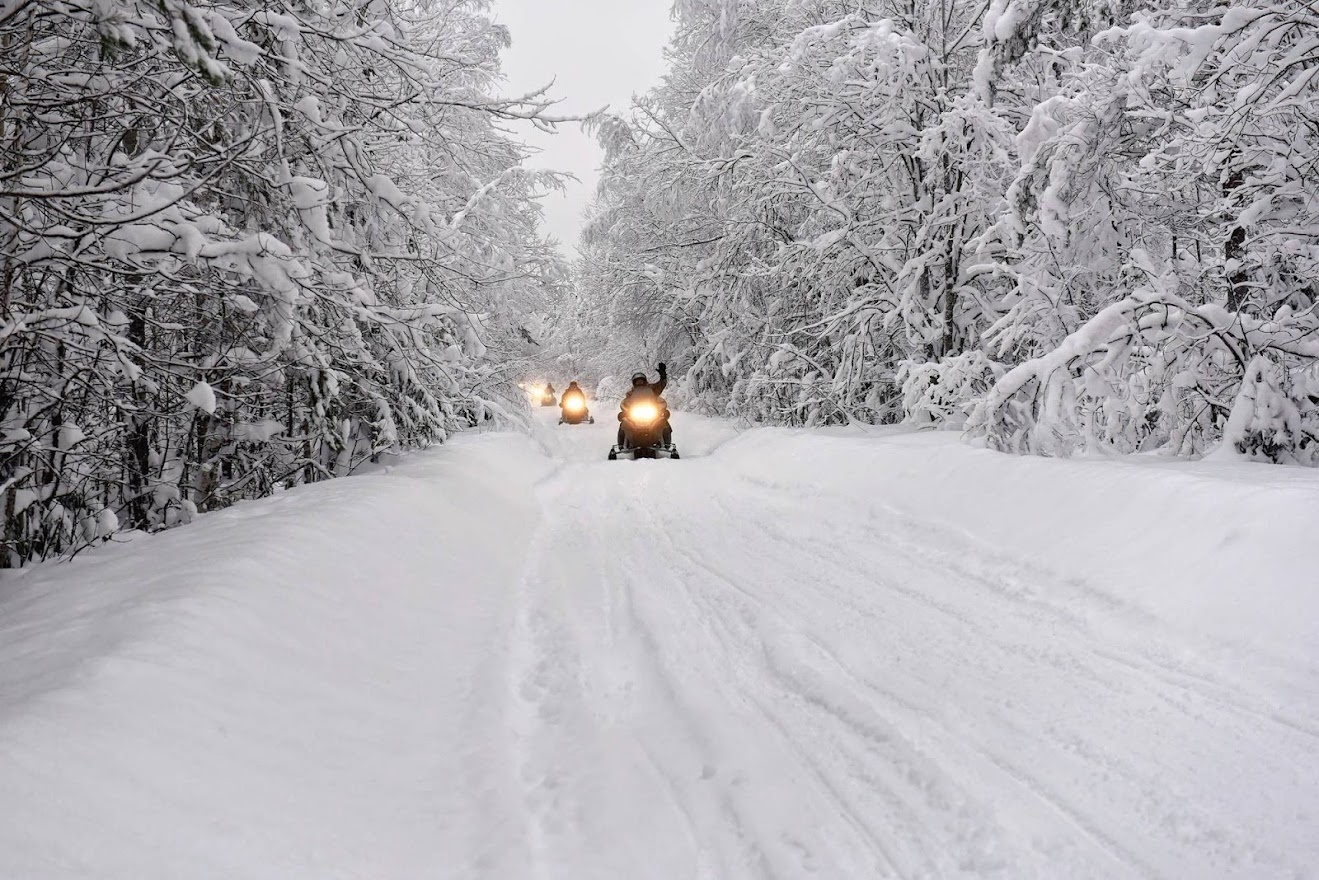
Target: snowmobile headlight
column 574, row 404
column 644, row 413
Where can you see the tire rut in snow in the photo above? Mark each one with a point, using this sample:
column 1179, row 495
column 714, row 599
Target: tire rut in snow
column 848, row 734
column 1011, row 622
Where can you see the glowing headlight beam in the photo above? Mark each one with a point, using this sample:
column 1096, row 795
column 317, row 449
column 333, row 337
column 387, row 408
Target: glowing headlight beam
column 643, row 413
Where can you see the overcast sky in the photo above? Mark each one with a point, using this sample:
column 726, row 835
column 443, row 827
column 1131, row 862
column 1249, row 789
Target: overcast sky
column 598, row 52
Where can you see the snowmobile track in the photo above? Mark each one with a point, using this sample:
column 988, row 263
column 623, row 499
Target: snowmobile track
column 924, row 698
column 778, row 658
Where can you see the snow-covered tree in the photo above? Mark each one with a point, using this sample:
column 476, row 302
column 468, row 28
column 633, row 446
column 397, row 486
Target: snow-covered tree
column 1164, row 240
column 1109, row 200
column 244, row 245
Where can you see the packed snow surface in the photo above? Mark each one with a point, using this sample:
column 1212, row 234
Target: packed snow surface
column 791, row 654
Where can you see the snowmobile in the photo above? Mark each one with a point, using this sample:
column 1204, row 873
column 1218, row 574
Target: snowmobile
column 547, row 397
column 642, row 431
column 573, row 411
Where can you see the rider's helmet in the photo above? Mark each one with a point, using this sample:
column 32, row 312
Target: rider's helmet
column 639, row 379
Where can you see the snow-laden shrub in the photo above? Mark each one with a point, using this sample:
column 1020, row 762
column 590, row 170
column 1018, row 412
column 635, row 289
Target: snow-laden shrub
column 1276, row 414
column 1156, row 372
column 942, row 393
column 611, row 389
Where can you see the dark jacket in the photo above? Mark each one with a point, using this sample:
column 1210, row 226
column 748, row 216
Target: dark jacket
column 658, row 387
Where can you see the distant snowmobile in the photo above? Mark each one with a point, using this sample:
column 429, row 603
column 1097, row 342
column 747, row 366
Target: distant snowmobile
column 572, row 407
column 644, row 430
column 547, row 398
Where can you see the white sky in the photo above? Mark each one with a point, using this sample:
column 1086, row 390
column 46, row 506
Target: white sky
column 598, row 52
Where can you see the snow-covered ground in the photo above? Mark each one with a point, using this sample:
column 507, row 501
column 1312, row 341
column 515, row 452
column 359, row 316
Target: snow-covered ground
column 791, row 654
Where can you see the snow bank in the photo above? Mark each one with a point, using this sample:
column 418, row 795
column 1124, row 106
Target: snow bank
column 265, row 692
column 1225, row 549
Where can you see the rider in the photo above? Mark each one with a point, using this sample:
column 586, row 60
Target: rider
column 643, row 387
column 548, row 399
column 573, row 390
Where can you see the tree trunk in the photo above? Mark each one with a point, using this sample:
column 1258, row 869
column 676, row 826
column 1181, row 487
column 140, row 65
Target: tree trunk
column 137, row 440
column 1234, row 252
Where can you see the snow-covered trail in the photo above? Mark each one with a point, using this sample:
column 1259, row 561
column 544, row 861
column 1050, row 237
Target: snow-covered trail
column 777, row 658
column 725, row 674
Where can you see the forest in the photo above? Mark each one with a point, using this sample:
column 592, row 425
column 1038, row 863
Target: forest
column 1059, row 226
column 245, row 246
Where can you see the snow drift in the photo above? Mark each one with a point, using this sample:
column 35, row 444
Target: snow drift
column 1222, row 547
